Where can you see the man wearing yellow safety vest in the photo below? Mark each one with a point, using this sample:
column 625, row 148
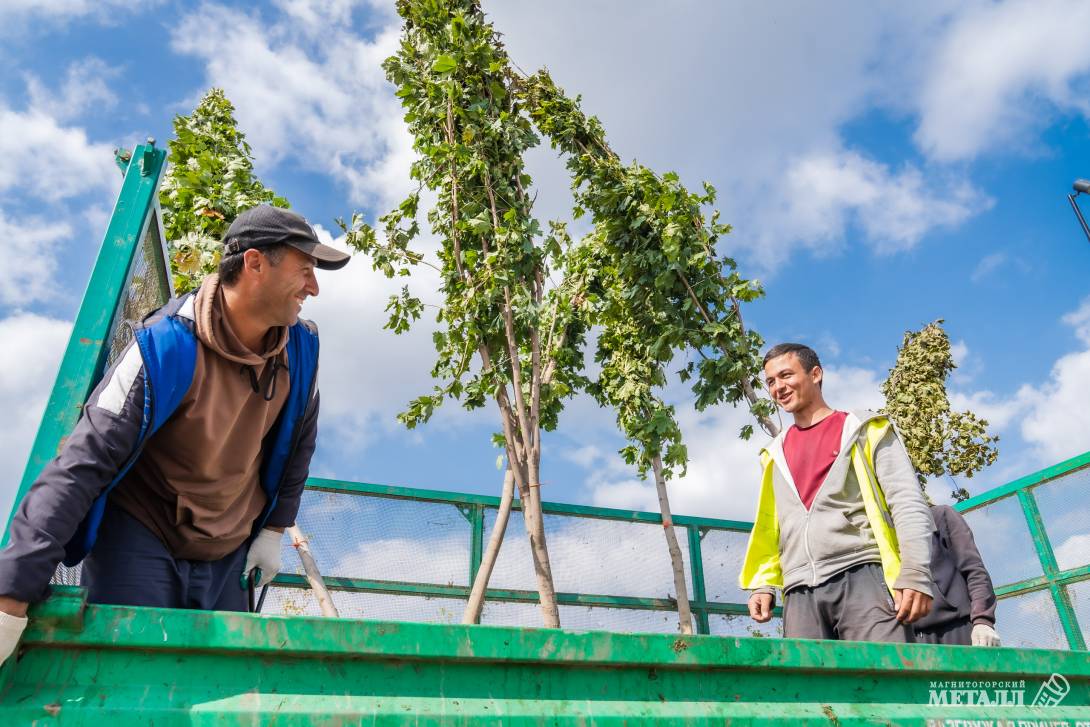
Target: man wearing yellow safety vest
column 842, row 526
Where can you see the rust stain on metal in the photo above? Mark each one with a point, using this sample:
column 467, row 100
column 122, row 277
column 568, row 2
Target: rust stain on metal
column 680, row 645
column 828, row 711
column 53, row 709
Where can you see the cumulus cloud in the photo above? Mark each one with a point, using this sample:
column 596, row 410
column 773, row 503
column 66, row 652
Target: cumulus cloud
column 319, row 99
column 1051, row 416
column 28, row 274
column 18, row 15
column 768, row 134
column 33, row 345
column 829, row 191
column 1003, row 70
column 85, row 87
column 49, row 161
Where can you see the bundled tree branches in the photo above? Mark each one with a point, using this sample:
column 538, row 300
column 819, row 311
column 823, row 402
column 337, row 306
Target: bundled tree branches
column 518, row 299
column 209, row 182
column 939, row 439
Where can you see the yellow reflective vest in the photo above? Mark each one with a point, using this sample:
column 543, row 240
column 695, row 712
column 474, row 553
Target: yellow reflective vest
column 761, row 567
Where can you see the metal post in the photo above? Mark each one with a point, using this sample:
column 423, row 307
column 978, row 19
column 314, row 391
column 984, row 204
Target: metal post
column 88, row 345
column 1060, row 598
column 696, row 568
column 476, row 542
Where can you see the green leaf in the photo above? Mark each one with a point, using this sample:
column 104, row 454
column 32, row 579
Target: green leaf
column 444, row 64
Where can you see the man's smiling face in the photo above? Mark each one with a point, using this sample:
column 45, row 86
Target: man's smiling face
column 791, row 387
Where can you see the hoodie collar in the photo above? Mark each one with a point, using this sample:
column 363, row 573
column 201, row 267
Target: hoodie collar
column 214, row 330
column 853, row 424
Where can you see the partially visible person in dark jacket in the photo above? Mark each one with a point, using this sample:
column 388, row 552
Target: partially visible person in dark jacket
column 190, row 457
column 964, row 608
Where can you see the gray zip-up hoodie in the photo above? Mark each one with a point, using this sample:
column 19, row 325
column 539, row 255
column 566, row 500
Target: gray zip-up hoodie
column 835, row 534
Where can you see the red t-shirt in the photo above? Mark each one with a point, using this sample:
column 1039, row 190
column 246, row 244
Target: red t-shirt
column 810, row 453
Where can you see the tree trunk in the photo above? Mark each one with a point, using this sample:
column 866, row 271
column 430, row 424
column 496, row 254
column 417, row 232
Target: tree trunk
column 310, row 568
column 677, row 563
column 472, row 613
column 539, row 552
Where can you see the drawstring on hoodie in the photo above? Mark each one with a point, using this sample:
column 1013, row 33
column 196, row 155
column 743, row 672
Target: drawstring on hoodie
column 270, row 384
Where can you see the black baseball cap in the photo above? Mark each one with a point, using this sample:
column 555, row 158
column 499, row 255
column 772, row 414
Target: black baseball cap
column 266, row 225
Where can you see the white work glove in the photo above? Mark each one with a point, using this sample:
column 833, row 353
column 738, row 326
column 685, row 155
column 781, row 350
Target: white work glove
column 11, row 628
column 985, row 635
column 264, row 554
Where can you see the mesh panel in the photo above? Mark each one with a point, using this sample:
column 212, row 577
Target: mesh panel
column 147, row 288
column 1065, row 509
column 373, row 606
column 1079, row 594
column 1004, row 541
column 1030, row 621
column 591, row 556
column 723, row 625
column 376, row 538
column 722, row 552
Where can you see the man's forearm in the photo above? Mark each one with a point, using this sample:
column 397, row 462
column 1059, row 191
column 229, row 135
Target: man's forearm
column 911, row 515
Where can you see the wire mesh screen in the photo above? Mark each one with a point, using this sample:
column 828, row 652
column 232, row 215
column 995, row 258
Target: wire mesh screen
column 147, row 288
column 383, row 539
column 1079, row 593
column 598, row 556
column 1030, row 621
column 1065, row 508
column 1003, row 538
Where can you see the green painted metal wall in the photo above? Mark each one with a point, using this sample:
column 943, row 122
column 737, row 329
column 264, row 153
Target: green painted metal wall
column 96, row 665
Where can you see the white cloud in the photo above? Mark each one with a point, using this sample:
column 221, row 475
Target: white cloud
column 28, row 275
column 988, row 265
column 768, row 134
column 828, row 191
column 1051, row 416
column 32, row 350
column 49, row 161
column 1002, row 71
column 85, row 87
column 321, row 100
column 16, row 14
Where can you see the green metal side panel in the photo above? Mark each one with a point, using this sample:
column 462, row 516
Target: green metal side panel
column 95, row 665
column 86, row 352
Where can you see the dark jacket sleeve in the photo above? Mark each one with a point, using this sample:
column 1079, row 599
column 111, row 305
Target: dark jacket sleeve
column 981, row 593
column 89, row 459
column 297, row 470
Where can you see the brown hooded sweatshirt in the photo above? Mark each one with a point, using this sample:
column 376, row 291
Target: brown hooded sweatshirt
column 196, row 484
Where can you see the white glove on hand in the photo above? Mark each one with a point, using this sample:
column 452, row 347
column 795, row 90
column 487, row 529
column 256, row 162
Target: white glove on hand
column 11, row 628
column 985, row 635
column 264, row 554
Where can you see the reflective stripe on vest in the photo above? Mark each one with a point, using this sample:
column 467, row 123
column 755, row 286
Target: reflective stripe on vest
column 761, row 566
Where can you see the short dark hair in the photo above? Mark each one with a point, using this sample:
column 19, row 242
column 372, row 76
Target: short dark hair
column 806, row 355
column 231, row 265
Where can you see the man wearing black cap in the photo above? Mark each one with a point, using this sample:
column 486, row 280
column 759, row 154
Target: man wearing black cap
column 190, row 457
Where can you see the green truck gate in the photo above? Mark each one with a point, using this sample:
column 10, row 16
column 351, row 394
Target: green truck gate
column 399, row 562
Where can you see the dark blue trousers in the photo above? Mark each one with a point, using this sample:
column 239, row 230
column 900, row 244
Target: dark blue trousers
column 130, row 566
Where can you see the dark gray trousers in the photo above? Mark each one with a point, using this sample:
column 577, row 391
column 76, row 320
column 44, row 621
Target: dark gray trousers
column 853, row 605
column 954, row 633
column 130, row 566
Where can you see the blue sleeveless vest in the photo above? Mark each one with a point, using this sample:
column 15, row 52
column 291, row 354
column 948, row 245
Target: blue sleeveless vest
column 168, row 348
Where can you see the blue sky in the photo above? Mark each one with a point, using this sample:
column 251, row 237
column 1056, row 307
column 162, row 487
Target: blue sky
column 883, row 165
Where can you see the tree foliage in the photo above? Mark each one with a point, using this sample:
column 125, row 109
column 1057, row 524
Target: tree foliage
column 940, row 441
column 209, row 182
column 521, row 297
